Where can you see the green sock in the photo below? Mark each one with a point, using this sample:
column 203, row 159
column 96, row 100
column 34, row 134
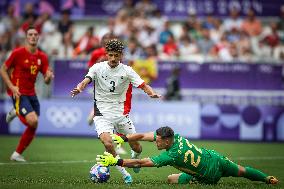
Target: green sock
column 254, row 174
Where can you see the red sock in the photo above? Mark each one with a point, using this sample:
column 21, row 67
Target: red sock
column 26, row 139
column 27, row 136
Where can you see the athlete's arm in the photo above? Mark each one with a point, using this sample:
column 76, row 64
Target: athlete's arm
column 7, row 80
column 146, row 162
column 108, row 160
column 80, row 87
column 141, row 137
column 120, row 139
column 48, row 76
column 149, row 91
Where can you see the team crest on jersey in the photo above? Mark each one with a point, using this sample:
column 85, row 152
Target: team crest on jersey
column 24, row 111
column 38, row 62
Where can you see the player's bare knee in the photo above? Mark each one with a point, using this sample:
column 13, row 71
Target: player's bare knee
column 173, row 179
column 32, row 121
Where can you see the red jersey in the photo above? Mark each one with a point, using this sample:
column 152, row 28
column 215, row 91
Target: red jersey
column 25, row 67
column 97, row 55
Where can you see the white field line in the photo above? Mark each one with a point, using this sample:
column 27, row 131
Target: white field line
column 93, row 161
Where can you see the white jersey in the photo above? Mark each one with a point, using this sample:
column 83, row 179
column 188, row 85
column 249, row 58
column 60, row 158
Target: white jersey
column 113, row 87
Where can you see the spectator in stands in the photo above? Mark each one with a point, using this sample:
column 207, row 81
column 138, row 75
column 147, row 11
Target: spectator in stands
column 281, row 23
column 209, row 22
column 10, row 21
column 157, row 21
column 121, row 21
column 193, row 26
column 51, row 39
column 251, row 25
column 109, row 29
column 188, row 49
column 244, row 47
column 272, row 37
column 278, row 53
column 234, row 21
column 39, row 22
column 133, row 50
column 87, row 43
column 262, row 50
column 216, row 31
column 29, row 11
column 166, row 33
column 205, row 44
column 223, row 49
column 65, row 23
column 170, row 48
column 66, row 49
column 148, row 36
column 147, row 67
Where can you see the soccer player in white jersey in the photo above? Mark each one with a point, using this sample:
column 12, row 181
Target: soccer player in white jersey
column 113, row 84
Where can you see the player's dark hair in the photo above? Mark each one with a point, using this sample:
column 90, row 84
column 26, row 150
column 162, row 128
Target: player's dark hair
column 114, row 45
column 165, row 132
column 31, row 27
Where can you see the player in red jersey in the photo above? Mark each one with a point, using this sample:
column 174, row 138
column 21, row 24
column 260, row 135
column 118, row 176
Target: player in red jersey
column 19, row 72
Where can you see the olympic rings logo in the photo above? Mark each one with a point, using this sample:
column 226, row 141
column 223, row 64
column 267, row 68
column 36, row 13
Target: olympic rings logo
column 63, row 117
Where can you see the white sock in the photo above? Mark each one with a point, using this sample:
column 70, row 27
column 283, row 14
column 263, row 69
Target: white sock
column 122, row 170
column 135, row 155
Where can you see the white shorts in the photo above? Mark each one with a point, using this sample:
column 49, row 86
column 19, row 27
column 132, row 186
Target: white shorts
column 121, row 124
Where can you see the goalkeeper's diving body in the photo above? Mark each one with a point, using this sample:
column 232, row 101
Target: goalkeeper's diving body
column 197, row 164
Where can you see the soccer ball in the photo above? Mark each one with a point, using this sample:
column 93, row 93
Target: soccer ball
column 99, row 173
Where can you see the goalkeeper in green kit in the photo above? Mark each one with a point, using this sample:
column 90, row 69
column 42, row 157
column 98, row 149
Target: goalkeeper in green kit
column 197, row 164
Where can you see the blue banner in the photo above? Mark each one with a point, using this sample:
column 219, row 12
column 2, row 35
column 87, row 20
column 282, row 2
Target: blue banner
column 190, row 119
column 240, row 76
column 171, row 8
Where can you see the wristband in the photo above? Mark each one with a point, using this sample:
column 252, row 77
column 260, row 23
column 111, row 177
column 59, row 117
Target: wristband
column 124, row 138
column 119, row 162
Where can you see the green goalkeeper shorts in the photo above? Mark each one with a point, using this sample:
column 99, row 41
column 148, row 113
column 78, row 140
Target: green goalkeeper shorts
column 219, row 166
column 185, row 178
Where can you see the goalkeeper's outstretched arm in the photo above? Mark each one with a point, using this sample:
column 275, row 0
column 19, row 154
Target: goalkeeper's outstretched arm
column 132, row 163
column 140, row 137
column 107, row 159
column 120, row 139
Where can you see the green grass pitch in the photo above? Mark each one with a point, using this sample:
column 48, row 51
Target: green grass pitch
column 64, row 163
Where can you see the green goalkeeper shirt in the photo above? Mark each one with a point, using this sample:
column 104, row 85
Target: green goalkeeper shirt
column 201, row 163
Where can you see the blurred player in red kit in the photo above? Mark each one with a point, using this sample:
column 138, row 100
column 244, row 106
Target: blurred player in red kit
column 19, row 73
column 98, row 55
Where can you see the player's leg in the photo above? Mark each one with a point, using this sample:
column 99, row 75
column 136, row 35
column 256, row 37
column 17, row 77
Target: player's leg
column 29, row 117
column 104, row 127
column 181, row 178
column 232, row 169
column 125, row 127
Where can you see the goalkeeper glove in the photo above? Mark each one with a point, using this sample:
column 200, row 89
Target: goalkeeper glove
column 119, row 139
column 108, row 160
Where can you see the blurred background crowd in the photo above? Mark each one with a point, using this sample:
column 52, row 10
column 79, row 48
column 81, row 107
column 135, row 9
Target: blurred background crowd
column 149, row 35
